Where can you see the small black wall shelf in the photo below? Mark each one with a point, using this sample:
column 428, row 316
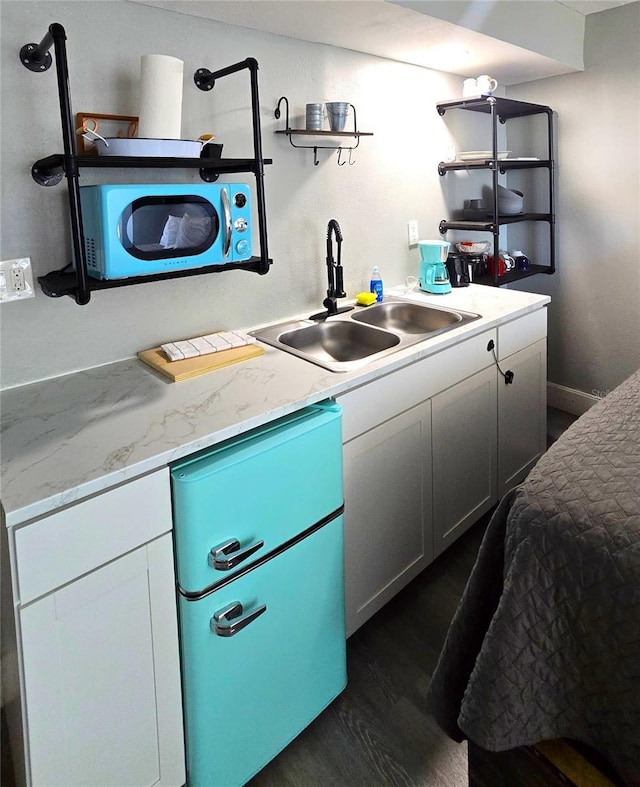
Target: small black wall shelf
column 73, row 280
column 317, row 133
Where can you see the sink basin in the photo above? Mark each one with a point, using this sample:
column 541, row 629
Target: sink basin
column 408, row 317
column 338, row 341
column 345, row 342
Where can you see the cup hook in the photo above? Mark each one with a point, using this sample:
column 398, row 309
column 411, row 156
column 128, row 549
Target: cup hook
column 349, row 160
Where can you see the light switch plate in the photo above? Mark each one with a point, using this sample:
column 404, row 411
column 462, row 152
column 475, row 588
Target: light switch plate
column 412, row 229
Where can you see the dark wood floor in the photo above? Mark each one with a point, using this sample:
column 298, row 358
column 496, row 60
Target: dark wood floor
column 557, row 422
column 379, row 730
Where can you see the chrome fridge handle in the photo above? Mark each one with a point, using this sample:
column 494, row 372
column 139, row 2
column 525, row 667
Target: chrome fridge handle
column 228, row 621
column 218, row 557
column 226, row 210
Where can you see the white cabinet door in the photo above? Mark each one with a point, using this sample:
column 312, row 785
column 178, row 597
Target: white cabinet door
column 464, row 439
column 102, row 676
column 387, row 521
column 522, row 415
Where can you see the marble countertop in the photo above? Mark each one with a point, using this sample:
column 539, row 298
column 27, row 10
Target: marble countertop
column 73, row 436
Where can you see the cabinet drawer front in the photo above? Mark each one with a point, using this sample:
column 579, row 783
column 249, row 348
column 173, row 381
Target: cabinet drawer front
column 61, row 547
column 520, row 333
column 370, row 405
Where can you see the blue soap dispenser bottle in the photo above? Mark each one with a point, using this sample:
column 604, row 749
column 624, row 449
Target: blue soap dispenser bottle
column 375, row 285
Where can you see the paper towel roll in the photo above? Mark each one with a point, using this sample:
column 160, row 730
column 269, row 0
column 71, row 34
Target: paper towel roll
column 160, row 97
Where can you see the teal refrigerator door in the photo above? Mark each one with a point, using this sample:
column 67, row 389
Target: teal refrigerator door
column 261, row 658
column 235, row 503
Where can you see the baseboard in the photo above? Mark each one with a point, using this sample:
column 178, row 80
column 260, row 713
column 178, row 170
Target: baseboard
column 569, row 399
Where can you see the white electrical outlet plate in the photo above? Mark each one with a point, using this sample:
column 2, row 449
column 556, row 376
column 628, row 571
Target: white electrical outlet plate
column 412, row 228
column 16, row 280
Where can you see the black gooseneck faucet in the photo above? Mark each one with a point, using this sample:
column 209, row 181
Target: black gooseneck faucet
column 334, row 269
column 334, row 274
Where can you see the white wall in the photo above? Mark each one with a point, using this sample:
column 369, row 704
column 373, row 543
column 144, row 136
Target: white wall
column 594, row 317
column 394, row 178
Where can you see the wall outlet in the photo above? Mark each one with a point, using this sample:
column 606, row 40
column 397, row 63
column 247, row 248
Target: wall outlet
column 412, row 229
column 16, row 280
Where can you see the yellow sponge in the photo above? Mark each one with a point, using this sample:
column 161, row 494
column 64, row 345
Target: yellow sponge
column 365, row 298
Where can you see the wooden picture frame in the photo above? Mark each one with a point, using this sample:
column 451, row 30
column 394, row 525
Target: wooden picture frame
column 122, row 126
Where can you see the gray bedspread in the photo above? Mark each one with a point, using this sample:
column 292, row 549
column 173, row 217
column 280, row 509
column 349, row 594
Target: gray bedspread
column 546, row 640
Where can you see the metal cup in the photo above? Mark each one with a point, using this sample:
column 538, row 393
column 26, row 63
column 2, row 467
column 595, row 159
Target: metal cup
column 337, row 112
column 314, row 117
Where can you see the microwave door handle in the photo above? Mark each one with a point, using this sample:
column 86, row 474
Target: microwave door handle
column 226, row 220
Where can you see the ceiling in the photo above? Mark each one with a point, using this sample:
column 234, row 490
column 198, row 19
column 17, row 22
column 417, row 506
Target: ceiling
column 593, row 6
column 389, row 30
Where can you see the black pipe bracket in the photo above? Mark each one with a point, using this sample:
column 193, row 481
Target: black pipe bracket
column 203, row 80
column 34, row 59
column 48, row 171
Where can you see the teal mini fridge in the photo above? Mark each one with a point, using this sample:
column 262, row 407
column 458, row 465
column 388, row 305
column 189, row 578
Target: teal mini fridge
column 258, row 531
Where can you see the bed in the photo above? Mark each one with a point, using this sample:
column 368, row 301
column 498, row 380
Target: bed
column 545, row 643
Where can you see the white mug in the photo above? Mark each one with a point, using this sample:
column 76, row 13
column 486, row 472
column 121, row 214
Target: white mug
column 486, row 84
column 470, row 88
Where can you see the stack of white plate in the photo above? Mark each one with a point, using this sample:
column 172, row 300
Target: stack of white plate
column 481, row 155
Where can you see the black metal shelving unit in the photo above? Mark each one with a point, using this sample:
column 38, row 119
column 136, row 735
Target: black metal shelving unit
column 501, row 110
column 51, row 170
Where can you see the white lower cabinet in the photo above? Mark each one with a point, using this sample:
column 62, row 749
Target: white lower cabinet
column 406, row 437
column 100, row 661
column 387, row 490
column 463, row 448
column 430, row 448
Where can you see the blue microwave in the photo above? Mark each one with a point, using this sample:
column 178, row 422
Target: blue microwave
column 139, row 230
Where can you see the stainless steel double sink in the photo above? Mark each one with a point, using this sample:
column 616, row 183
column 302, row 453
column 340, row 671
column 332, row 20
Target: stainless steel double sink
column 345, row 342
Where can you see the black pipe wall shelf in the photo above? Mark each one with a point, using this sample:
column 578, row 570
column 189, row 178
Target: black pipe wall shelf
column 73, row 280
column 50, row 170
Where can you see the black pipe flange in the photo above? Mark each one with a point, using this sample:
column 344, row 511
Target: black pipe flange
column 38, row 62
